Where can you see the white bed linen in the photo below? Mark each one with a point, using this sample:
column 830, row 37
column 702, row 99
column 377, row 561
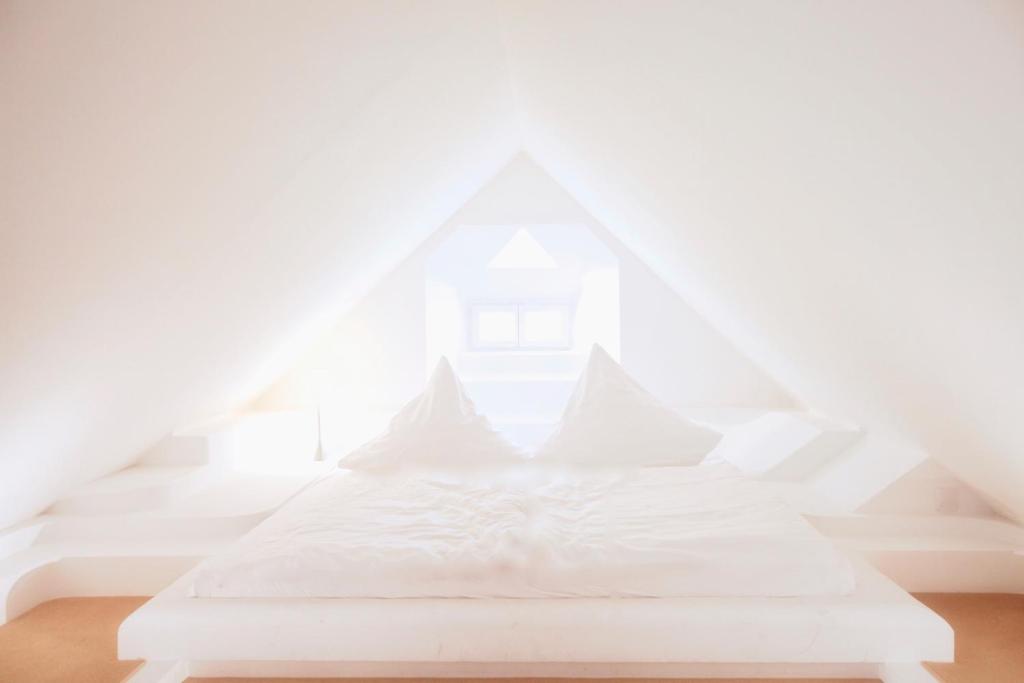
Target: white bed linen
column 611, row 420
column 439, row 429
column 657, row 532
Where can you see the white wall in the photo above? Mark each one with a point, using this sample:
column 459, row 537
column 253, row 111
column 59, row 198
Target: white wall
column 837, row 186
column 189, row 190
column 676, row 354
column 664, row 343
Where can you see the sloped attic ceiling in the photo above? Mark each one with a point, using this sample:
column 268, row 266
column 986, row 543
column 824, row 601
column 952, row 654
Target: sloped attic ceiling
column 191, row 189
column 187, row 189
column 838, row 186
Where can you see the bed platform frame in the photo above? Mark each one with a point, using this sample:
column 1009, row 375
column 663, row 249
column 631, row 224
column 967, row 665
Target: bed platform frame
column 879, row 631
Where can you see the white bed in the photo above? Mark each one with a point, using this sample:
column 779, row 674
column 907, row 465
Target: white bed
column 368, row 539
column 499, row 569
column 878, row 630
column 531, row 533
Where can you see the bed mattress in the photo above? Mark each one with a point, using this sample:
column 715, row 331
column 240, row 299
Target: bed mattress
column 656, row 532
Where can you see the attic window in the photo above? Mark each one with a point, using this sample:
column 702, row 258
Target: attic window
column 495, row 326
column 533, row 326
column 522, row 252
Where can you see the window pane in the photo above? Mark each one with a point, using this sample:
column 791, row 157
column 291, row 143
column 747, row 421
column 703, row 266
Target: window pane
column 548, row 327
column 496, row 327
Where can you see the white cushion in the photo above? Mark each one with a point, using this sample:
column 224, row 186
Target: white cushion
column 611, row 421
column 440, row 428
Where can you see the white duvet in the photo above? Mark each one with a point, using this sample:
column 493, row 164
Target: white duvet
column 657, row 532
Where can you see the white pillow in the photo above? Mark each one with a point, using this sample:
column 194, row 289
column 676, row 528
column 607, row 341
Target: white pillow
column 611, row 421
column 440, row 428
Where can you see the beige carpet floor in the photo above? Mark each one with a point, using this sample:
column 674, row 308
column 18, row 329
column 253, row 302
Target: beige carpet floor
column 74, row 640
column 528, row 680
column 989, row 637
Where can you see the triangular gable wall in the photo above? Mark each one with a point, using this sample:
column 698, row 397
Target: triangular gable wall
column 374, row 354
column 376, row 351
